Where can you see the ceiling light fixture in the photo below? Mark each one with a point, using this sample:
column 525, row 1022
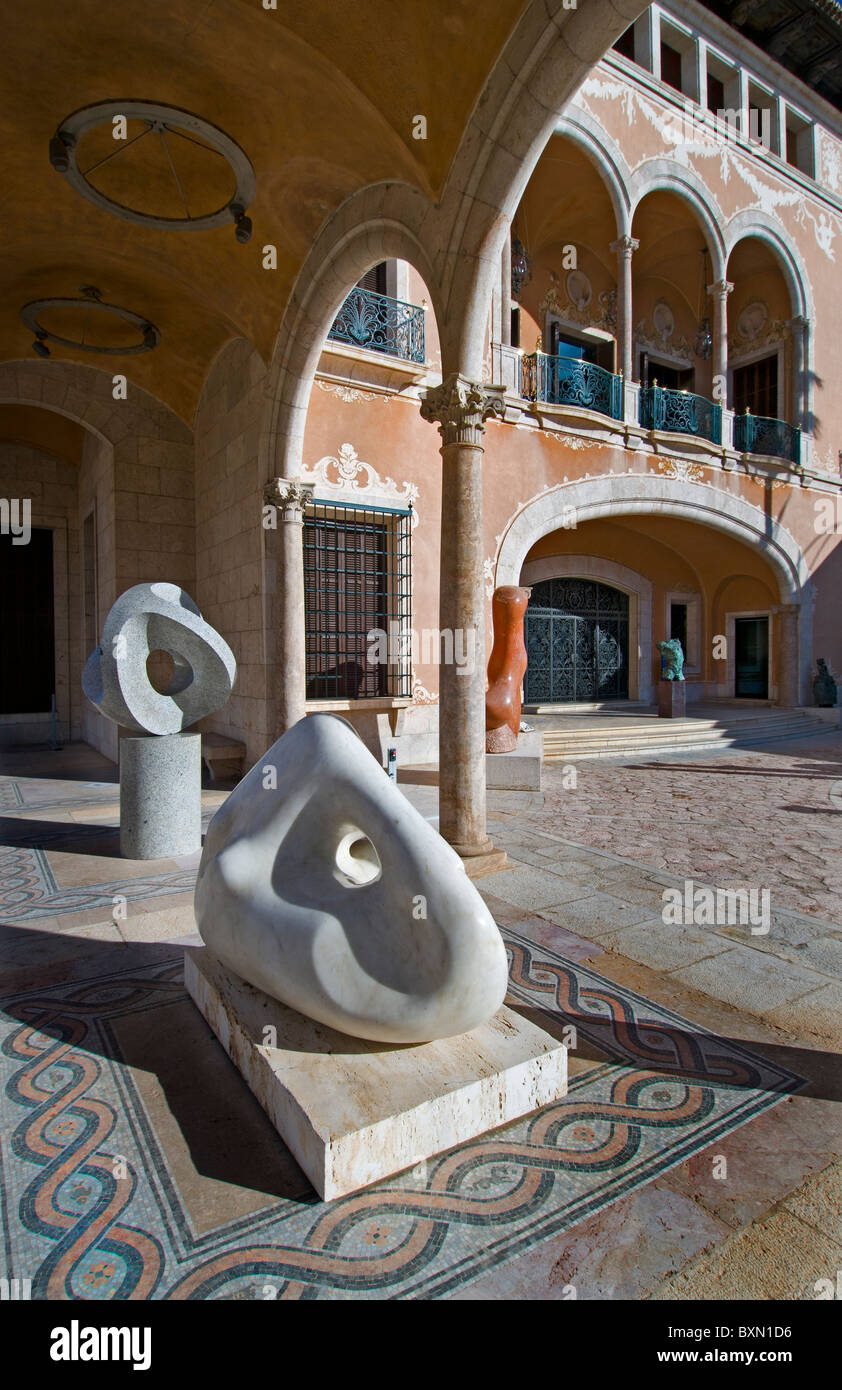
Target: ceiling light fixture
column 173, row 128
column 90, row 303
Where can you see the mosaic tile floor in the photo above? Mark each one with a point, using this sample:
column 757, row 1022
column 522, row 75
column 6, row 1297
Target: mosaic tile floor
column 93, row 1208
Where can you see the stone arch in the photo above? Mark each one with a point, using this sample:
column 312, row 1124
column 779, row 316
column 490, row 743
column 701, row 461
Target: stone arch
column 84, row 393
column 613, row 495
column 756, row 223
column 663, row 175
column 639, row 590
column 382, row 221
column 582, row 130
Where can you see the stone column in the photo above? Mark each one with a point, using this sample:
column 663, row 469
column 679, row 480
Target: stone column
column 800, row 402
column 460, row 408
column 719, row 292
column 289, row 497
column 625, row 248
column 789, row 661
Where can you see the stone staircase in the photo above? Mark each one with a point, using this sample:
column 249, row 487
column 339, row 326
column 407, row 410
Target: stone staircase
column 650, row 735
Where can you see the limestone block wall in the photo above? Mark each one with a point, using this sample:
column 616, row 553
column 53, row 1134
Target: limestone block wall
column 230, row 586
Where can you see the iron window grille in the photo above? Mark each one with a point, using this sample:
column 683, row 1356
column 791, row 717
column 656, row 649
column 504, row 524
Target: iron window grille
column 357, row 601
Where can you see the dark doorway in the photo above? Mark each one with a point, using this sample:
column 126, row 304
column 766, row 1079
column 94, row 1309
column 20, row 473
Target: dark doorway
column 577, row 639
column 27, row 625
column 751, row 643
column 756, row 388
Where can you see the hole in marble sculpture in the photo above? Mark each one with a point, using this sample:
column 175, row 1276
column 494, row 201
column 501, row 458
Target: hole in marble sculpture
column 168, row 672
column 357, row 861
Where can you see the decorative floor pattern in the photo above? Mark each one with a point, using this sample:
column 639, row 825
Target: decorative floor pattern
column 30, row 890
column 91, row 1203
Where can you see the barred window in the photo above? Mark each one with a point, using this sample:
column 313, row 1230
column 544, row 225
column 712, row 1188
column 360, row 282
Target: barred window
column 357, row 601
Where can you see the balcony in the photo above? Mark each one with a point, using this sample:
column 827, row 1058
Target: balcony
column 680, row 412
column 377, row 323
column 571, row 381
column 757, row 434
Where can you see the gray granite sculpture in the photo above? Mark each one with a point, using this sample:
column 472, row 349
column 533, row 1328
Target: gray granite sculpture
column 672, row 660
column 158, row 617
column 161, row 770
column 824, row 686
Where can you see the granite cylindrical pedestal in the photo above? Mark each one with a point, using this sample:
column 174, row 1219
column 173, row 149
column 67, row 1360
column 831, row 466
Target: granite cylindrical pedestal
column 160, row 795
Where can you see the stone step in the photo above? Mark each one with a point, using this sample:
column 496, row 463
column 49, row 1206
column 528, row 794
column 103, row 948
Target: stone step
column 675, row 735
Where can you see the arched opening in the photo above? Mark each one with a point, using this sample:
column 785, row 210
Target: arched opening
column 672, row 313
column 765, row 346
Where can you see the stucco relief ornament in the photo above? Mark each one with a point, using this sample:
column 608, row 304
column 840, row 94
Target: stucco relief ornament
column 345, row 472
column 681, row 470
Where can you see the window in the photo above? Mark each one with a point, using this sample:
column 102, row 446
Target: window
column 673, row 378
column 799, row 143
column 671, row 66
column 514, row 336
column 374, row 279
column 716, row 93
column 756, row 387
column 678, row 624
column 762, row 117
column 625, row 43
column 357, row 602
column 564, row 344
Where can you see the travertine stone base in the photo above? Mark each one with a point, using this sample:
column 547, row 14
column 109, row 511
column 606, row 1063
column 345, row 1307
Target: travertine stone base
column 354, row 1112
column 519, row 770
column 160, row 795
column 672, row 700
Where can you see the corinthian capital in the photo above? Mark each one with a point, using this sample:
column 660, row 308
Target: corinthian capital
column 460, row 408
column 289, row 495
column 720, row 289
column 625, row 246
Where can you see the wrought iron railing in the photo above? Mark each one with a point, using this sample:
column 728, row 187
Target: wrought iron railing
column 681, row 412
column 380, row 324
column 570, row 381
column 758, row 434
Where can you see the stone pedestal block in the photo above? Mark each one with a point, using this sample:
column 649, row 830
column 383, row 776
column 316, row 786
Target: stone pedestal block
column 353, row 1112
column 519, row 770
column 160, row 796
column 672, row 700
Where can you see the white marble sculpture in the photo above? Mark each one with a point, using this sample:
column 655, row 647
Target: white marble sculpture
column 322, row 886
column 158, row 617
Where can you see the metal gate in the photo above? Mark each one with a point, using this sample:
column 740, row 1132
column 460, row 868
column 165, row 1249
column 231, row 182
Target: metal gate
column 577, row 640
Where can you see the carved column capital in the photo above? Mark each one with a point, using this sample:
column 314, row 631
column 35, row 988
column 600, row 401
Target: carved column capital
column 290, row 496
column 799, row 324
column 721, row 289
column 625, row 246
column 460, row 408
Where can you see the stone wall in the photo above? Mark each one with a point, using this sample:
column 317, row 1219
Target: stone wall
column 230, row 586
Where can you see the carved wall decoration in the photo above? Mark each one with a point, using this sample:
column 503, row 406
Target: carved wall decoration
column 753, row 319
column 347, row 475
column 771, row 334
column 579, row 289
column 350, row 394
column 681, row 470
column 421, row 695
column 658, row 335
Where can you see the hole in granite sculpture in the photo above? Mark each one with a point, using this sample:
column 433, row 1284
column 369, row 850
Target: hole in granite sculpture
column 157, row 630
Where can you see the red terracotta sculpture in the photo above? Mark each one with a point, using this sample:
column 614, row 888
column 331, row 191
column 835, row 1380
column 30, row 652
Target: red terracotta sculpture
column 506, row 668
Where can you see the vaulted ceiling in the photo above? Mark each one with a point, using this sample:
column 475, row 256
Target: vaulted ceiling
column 320, row 95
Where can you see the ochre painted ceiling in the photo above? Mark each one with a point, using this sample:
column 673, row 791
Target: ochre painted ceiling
column 321, row 97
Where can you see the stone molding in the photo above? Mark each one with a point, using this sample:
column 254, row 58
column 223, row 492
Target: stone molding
column 289, row 496
column 460, row 408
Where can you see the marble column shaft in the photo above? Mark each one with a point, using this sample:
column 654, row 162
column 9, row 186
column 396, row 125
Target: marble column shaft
column 719, row 292
column 460, row 408
column 625, row 248
column 289, row 497
column 799, row 328
column 788, row 655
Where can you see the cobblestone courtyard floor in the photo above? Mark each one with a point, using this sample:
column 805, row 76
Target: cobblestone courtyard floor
column 772, row 817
